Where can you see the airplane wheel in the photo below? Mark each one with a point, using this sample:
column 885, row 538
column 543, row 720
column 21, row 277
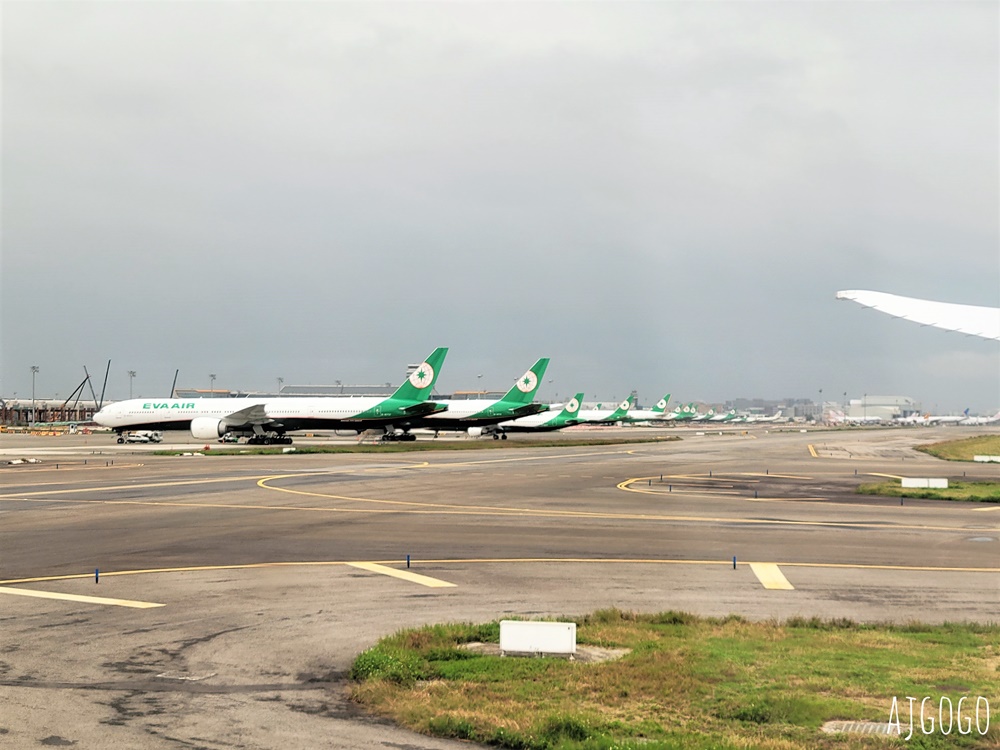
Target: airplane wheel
column 495, row 436
column 121, row 440
column 503, row 436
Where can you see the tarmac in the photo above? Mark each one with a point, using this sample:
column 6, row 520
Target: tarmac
column 233, row 593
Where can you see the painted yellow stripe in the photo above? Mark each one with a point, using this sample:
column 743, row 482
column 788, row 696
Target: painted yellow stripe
column 888, row 476
column 78, row 598
column 812, row 451
column 512, row 561
column 406, row 575
column 770, row 576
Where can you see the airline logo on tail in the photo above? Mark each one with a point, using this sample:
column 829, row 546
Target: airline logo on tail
column 423, row 376
column 527, row 382
column 526, row 385
column 574, row 405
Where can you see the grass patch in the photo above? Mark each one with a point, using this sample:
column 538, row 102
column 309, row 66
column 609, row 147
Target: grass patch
column 964, row 450
column 689, row 682
column 415, row 447
column 975, row 492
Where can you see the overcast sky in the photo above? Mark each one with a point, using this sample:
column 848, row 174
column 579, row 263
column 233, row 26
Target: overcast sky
column 659, row 196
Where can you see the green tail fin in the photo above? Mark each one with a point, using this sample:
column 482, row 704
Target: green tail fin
column 572, row 407
column 661, row 405
column 527, row 385
column 421, row 382
column 622, row 409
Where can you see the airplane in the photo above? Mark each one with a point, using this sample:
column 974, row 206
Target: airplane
column 838, row 417
column 981, row 420
column 706, row 417
column 973, row 320
column 949, row 419
column 607, row 416
column 658, row 413
column 480, row 417
column 546, row 421
column 267, row 420
column 729, row 416
column 685, row 413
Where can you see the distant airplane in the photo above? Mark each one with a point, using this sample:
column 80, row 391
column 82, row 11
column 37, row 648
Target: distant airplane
column 981, row 420
column 685, row 413
column 480, row 417
column 838, row 417
column 755, row 419
column 267, row 420
column 607, row 416
column 658, row 413
column 729, row 416
column 546, row 421
column 969, row 319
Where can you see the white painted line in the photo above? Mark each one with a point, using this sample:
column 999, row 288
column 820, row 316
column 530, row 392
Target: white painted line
column 770, row 576
column 78, row 598
column 406, row 575
column 986, row 510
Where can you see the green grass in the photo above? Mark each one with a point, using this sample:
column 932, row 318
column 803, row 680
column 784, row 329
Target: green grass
column 415, row 447
column 976, row 492
column 964, row 450
column 689, row 682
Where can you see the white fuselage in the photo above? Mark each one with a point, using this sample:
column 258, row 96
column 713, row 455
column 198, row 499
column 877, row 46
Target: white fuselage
column 178, row 413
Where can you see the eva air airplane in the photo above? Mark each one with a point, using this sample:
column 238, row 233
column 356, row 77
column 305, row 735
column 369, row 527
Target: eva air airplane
column 482, row 416
column 546, row 421
column 267, row 420
column 658, row 413
column 607, row 416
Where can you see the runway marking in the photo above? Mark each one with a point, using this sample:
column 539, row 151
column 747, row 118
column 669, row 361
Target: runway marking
column 406, row 575
column 78, row 598
column 770, row 576
column 770, row 474
column 888, row 476
column 986, row 510
column 812, row 451
column 509, row 561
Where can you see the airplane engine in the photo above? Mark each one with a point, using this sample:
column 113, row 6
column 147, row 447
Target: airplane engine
column 475, row 432
column 208, row 428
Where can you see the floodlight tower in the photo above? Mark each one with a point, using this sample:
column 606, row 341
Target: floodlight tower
column 211, row 381
column 34, row 371
column 131, row 374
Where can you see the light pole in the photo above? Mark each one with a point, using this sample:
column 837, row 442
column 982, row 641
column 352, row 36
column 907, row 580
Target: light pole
column 280, row 383
column 211, row 381
column 34, row 371
column 479, row 383
column 864, row 406
column 131, row 374
column 820, row 415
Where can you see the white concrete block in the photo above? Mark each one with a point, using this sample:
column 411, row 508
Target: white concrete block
column 537, row 637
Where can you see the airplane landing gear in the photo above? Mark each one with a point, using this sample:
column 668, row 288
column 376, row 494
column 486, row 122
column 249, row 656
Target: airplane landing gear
column 274, row 439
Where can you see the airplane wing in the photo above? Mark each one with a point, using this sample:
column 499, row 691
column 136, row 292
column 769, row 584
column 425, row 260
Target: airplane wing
column 969, row 319
column 251, row 415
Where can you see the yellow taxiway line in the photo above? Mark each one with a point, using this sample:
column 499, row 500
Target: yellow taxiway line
column 513, row 561
column 78, row 598
column 406, row 575
column 770, row 576
column 812, row 451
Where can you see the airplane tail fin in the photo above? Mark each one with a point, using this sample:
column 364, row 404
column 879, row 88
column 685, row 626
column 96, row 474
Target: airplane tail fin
column 622, row 409
column 661, row 405
column 526, row 386
column 420, row 383
column 572, row 407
